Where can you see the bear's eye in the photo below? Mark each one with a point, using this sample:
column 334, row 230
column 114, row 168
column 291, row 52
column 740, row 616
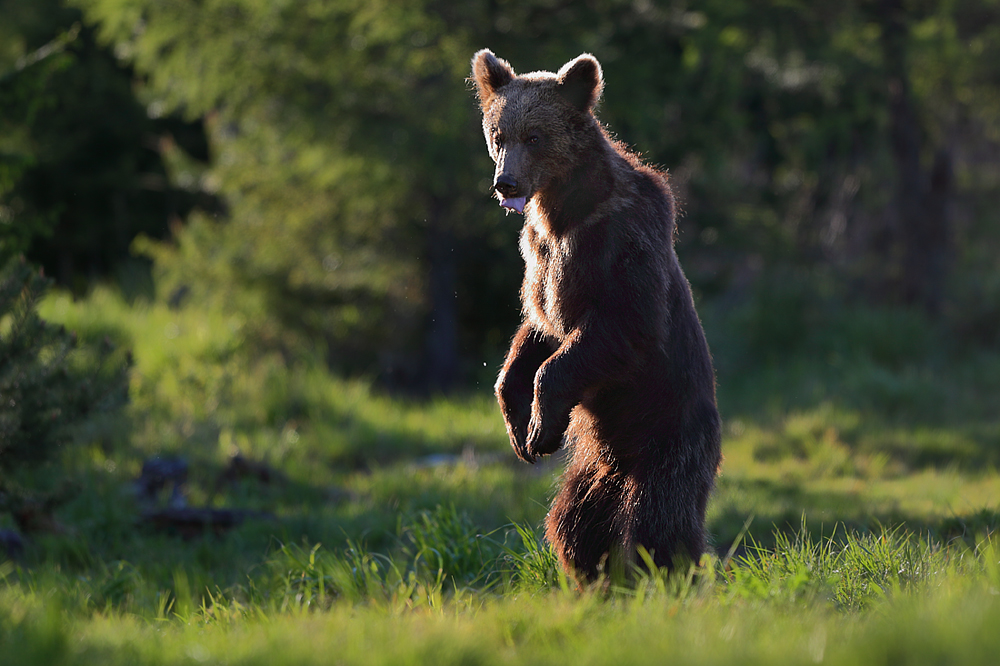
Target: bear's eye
column 532, row 140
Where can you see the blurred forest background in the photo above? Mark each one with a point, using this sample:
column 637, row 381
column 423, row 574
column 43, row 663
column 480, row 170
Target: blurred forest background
column 317, row 171
column 246, row 193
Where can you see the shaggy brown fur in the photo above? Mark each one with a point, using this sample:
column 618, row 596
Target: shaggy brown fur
column 611, row 357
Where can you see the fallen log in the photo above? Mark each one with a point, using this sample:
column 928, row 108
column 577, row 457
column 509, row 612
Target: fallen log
column 191, row 521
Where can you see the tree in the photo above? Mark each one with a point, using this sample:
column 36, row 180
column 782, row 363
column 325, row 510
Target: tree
column 349, row 156
column 49, row 385
column 82, row 169
column 343, row 132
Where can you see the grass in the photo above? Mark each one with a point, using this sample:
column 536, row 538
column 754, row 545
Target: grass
column 854, row 520
column 884, row 598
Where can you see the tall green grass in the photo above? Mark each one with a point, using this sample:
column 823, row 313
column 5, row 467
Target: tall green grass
column 854, row 520
column 886, row 597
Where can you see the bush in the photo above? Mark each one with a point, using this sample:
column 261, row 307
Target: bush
column 49, row 385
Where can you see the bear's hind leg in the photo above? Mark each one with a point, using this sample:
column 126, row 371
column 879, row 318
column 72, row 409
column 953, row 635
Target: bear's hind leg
column 671, row 520
column 588, row 523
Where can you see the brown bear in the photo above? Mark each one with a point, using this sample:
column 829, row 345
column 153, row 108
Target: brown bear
column 611, row 357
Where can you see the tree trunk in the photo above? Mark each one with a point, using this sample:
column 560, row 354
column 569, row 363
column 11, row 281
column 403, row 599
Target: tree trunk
column 921, row 232
column 441, row 349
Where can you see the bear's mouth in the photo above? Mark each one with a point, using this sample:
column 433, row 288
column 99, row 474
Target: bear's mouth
column 515, row 204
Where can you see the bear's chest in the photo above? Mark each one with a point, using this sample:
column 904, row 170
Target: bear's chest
column 554, row 292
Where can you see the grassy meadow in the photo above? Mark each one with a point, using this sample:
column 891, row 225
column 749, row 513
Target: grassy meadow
column 854, row 520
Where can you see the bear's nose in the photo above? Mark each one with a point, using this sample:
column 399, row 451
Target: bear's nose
column 505, row 185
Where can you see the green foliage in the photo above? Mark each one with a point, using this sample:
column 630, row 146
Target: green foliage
column 313, row 579
column 839, row 437
column 855, row 572
column 82, row 160
column 428, row 528
column 858, row 599
column 345, row 142
column 445, row 543
column 341, row 134
column 48, row 386
column 193, row 390
column 536, row 566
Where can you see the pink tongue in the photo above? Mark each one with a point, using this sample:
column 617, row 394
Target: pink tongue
column 516, row 204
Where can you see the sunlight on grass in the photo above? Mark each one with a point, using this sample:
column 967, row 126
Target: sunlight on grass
column 804, row 601
column 190, row 386
column 390, row 530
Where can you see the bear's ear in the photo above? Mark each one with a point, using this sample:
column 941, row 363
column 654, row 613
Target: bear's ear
column 581, row 82
column 490, row 73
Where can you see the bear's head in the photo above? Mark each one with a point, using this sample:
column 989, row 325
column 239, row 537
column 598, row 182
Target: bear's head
column 534, row 123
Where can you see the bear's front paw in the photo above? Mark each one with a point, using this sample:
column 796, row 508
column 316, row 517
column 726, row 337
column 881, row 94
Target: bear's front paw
column 517, row 431
column 545, row 435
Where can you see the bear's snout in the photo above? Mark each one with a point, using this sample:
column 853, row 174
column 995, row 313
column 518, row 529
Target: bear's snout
column 505, row 185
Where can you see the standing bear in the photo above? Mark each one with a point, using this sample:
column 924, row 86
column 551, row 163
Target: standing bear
column 611, row 357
